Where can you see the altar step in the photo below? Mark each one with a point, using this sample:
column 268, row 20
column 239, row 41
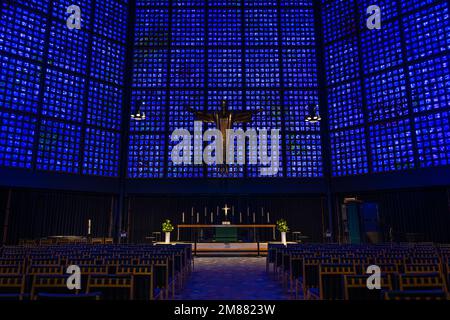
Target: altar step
column 230, row 249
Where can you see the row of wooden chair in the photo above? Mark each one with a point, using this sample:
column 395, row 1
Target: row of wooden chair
column 153, row 272
column 339, row 272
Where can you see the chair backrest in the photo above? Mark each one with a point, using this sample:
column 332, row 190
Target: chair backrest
column 422, row 268
column 52, row 284
column 422, row 281
column 416, row 295
column 331, row 280
column 12, row 284
column 44, row 270
column 143, row 278
column 112, row 287
column 11, row 270
column 355, row 287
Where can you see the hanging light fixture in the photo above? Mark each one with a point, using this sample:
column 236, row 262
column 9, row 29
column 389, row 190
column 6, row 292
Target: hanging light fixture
column 313, row 114
column 139, row 115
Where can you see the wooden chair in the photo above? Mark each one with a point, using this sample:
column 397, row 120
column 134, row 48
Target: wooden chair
column 422, row 282
column 44, row 270
column 331, row 280
column 143, row 281
column 51, row 284
column 416, row 295
column 12, row 287
column 112, row 287
column 355, row 287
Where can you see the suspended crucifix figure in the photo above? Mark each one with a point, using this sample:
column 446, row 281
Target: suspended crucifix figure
column 224, row 120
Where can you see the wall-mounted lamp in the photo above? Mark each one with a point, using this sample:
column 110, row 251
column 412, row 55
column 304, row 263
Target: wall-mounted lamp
column 313, row 114
column 139, row 115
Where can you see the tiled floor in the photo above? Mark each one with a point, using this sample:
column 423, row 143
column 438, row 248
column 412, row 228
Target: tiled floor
column 231, row 278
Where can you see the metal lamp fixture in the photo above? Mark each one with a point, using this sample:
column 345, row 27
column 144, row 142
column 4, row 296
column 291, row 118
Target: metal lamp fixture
column 139, row 115
column 313, row 115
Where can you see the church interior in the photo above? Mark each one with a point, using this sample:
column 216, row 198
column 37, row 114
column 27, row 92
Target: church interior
column 225, row 150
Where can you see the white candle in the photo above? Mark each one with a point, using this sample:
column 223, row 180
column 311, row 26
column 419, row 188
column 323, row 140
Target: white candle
column 268, row 217
column 254, row 217
column 240, row 217
column 198, row 217
column 212, row 217
column 262, row 212
column 182, row 217
column 89, row 226
column 232, row 211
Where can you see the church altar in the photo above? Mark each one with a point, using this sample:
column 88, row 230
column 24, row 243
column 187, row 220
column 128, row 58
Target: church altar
column 219, row 228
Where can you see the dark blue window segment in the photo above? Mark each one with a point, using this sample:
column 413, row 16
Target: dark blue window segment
column 251, row 3
column 303, row 155
column 338, row 19
column 411, row 5
column 299, row 68
column 224, row 3
column 86, row 8
column 225, row 68
column 348, row 152
column 108, row 61
column 63, row 96
column 342, row 62
column 297, row 27
column 182, row 3
column 345, row 105
column 19, row 84
column 22, row 32
column 188, row 68
column 386, row 95
column 110, row 19
column 270, row 110
column 224, row 27
column 381, row 49
column 261, row 27
column 188, row 27
column 101, row 153
column 433, row 139
column 16, row 139
column 59, row 147
column 388, row 9
column 392, row 146
column 152, row 3
column 262, row 68
column 68, row 49
column 150, row 67
column 430, row 84
column 152, row 103
column 39, row 5
column 427, row 32
column 293, row 3
column 152, row 27
column 104, row 108
column 146, row 156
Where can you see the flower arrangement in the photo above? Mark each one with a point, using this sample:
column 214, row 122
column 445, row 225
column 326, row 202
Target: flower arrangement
column 282, row 225
column 167, row 226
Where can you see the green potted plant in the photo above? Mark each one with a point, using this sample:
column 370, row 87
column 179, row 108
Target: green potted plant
column 283, row 228
column 167, row 228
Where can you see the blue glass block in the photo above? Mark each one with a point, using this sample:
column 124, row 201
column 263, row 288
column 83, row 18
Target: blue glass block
column 293, row 3
column 39, row 5
column 146, row 156
column 224, row 3
column 338, row 19
column 104, row 106
column 392, row 147
column 110, row 19
column 254, row 170
column 59, row 146
column 297, row 27
column 182, row 3
column 234, row 99
column 430, row 84
column 300, row 68
column 250, row 3
column 179, row 102
column 63, row 96
column 225, row 68
column 386, row 95
column 433, row 139
column 154, row 108
column 68, row 49
column 101, row 153
column 22, row 32
column 381, row 49
column 303, row 156
column 152, row 27
column 188, row 27
column 188, row 68
column 181, row 118
column 409, row 5
column 152, row 3
column 150, row 67
column 19, row 84
column 388, row 9
column 86, row 8
column 348, row 152
column 341, row 61
column 262, row 68
column 16, row 140
column 108, row 61
column 427, row 32
column 261, row 27
column 345, row 105
column 224, row 27
column 297, row 106
column 269, row 104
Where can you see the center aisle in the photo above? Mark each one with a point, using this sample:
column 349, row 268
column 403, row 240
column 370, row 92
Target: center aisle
column 231, row 278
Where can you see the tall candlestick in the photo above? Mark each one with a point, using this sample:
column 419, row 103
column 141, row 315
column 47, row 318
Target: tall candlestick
column 232, row 211
column 182, row 217
column 268, row 217
column 240, row 217
column 254, row 217
column 89, row 226
column 212, row 220
column 262, row 212
column 198, row 217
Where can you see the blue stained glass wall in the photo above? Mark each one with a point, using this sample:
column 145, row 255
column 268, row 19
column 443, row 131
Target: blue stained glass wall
column 255, row 54
column 61, row 89
column 388, row 89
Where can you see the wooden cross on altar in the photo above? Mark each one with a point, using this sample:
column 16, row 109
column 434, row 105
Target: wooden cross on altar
column 226, row 210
